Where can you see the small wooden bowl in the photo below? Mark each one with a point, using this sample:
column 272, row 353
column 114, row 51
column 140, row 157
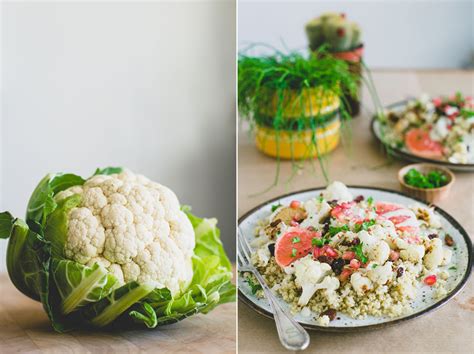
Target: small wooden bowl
column 432, row 195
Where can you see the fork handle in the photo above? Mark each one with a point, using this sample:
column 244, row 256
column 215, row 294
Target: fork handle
column 292, row 335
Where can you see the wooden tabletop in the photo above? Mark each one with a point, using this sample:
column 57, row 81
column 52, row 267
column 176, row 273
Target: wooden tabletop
column 448, row 330
column 25, row 328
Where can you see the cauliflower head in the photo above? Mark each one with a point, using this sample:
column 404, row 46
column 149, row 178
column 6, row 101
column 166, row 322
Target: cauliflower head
column 133, row 227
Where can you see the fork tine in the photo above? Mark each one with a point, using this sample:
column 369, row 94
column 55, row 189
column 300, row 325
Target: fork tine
column 246, row 243
column 243, row 247
column 240, row 259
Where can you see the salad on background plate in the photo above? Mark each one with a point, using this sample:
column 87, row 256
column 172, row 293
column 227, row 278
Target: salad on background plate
column 435, row 129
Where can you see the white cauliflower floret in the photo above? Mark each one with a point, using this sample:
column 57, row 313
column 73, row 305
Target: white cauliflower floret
column 380, row 274
column 447, row 255
column 323, row 320
column 337, row 191
column 385, row 230
column 410, row 252
column 316, row 210
column 261, row 257
column 375, row 249
column 133, row 227
column 309, row 273
column 360, row 283
column 86, row 236
column 434, row 257
column 428, row 215
column 329, row 283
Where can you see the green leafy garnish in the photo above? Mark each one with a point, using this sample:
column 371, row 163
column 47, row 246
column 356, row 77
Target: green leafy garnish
column 452, row 268
column 293, row 252
column 333, row 230
column 295, row 240
column 359, row 253
column 275, row 207
column 320, row 199
column 320, row 242
column 370, row 200
column 433, row 179
column 254, row 286
column 375, row 265
column 364, row 226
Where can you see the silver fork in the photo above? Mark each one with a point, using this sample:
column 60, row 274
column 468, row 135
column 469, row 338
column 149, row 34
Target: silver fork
column 292, row 335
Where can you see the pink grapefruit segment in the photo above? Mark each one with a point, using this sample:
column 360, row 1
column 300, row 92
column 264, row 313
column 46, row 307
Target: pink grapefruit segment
column 345, row 212
column 403, row 218
column 294, row 244
column 418, row 141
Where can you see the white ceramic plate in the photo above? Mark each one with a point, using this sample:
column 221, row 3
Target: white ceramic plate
column 405, row 154
column 425, row 302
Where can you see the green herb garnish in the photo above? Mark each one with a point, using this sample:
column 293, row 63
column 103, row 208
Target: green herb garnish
column 333, row 230
column 254, row 287
column 320, row 242
column 295, row 240
column 275, row 207
column 433, row 179
column 364, row 226
column 370, row 200
column 359, row 253
column 375, row 265
column 293, row 252
column 452, row 268
column 320, row 199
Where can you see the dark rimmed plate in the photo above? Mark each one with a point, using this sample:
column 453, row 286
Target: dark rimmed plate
column 425, row 301
column 404, row 154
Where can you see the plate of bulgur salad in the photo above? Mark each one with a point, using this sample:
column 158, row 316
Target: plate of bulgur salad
column 344, row 258
column 430, row 129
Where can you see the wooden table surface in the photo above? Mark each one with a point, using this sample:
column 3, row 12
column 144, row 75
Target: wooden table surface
column 448, row 330
column 25, row 328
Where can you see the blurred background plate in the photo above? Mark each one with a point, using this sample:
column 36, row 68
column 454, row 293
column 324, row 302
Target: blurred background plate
column 404, row 154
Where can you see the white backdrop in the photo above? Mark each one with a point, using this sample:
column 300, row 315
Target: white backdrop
column 147, row 85
column 397, row 33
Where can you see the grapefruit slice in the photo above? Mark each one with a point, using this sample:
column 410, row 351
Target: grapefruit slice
column 403, row 218
column 294, row 244
column 418, row 141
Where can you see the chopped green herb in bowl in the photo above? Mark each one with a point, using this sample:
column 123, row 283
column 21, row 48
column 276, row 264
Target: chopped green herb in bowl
column 429, row 182
column 432, row 179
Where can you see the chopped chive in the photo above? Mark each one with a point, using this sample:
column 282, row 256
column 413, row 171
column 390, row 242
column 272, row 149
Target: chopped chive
column 295, row 240
column 293, row 252
column 275, row 207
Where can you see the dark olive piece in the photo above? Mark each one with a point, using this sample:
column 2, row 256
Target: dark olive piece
column 271, row 248
column 337, row 266
column 400, row 271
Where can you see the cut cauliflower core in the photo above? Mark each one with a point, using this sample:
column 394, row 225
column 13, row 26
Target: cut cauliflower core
column 133, row 227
